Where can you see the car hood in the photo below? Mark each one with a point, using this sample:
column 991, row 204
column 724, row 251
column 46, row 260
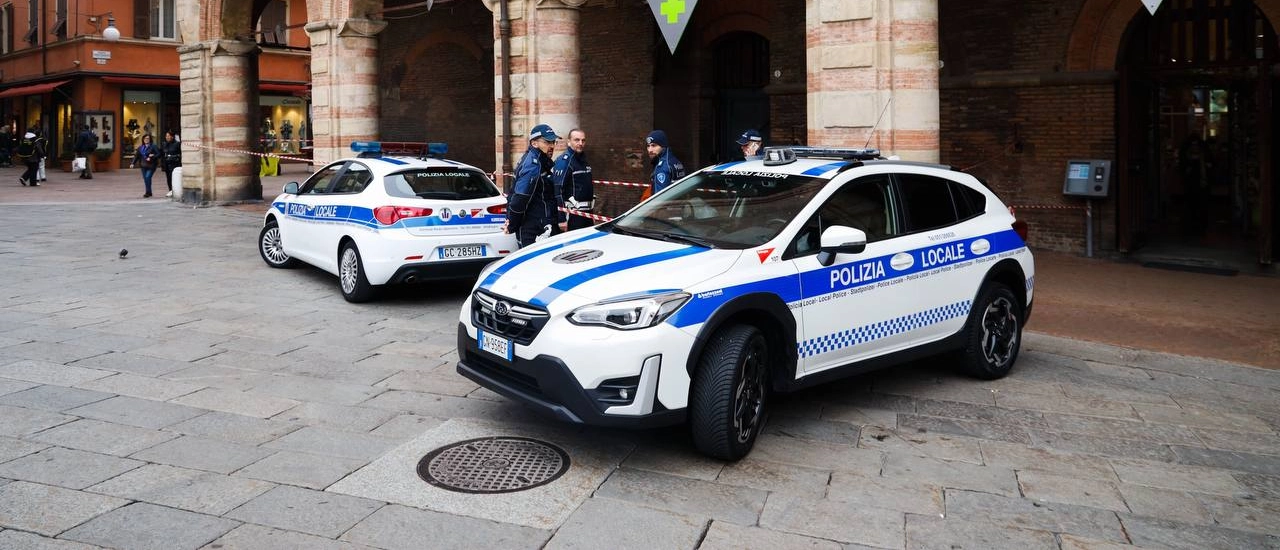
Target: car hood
column 589, row 265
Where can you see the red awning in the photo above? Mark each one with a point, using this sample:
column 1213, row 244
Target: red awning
column 290, row 88
column 33, row 89
column 139, row 81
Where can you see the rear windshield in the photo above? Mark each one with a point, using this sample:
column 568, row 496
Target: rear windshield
column 441, row 183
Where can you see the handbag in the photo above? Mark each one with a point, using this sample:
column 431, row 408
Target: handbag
column 78, row 164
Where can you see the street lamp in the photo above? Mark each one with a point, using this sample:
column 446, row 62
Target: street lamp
column 111, row 33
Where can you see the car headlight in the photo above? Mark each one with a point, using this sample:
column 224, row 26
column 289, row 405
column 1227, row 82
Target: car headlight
column 629, row 313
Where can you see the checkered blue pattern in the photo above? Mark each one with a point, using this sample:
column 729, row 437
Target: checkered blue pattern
column 1031, row 283
column 883, row 329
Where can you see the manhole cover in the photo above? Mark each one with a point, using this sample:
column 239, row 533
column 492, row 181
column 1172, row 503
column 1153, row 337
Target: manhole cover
column 493, row 465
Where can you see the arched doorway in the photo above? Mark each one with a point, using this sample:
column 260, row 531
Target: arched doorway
column 740, row 65
column 1195, row 118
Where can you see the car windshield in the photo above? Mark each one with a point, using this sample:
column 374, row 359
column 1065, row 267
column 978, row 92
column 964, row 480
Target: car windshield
column 735, row 210
column 442, row 183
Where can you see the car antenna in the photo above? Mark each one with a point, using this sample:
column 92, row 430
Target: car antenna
column 873, row 128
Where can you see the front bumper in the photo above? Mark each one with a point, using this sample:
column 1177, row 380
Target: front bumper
column 545, row 384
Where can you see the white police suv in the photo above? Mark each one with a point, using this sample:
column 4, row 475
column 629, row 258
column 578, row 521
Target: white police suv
column 375, row 220
column 747, row 278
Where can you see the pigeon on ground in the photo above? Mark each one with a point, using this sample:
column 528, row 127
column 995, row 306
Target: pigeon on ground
column 123, row 252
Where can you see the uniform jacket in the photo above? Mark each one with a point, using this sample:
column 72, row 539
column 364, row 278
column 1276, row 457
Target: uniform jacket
column 534, row 197
column 666, row 169
column 572, row 174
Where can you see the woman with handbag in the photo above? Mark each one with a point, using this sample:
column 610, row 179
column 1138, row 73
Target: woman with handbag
column 170, row 158
column 146, row 158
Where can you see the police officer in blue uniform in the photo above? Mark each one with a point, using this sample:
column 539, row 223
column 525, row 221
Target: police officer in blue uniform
column 572, row 174
column 666, row 167
column 534, row 198
column 750, row 143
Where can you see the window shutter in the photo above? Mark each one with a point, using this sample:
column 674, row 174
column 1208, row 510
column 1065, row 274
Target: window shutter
column 142, row 18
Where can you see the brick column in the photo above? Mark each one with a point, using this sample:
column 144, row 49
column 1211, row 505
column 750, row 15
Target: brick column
column 217, row 109
column 546, row 82
column 344, row 84
column 861, row 54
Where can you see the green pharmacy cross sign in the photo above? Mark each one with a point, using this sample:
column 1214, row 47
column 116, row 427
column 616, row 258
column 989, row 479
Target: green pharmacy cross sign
column 673, row 17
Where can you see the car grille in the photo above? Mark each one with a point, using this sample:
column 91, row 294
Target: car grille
column 503, row 373
column 515, row 320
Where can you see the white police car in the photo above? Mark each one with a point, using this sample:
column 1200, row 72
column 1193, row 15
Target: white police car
column 751, row 277
column 375, row 220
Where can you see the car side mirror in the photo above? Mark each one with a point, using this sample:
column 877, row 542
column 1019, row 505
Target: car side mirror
column 839, row 239
column 291, row 188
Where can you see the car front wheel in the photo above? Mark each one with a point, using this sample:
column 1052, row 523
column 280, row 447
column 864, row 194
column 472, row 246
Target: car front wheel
column 355, row 286
column 728, row 396
column 271, row 247
column 993, row 334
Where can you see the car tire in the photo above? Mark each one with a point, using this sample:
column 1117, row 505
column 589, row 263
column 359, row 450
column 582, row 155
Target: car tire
column 351, row 279
column 271, row 247
column 993, row 334
column 729, row 392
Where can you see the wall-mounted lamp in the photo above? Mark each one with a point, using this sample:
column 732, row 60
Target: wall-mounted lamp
column 111, row 33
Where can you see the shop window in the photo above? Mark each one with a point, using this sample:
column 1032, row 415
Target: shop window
column 272, row 23
column 141, row 112
column 6, row 28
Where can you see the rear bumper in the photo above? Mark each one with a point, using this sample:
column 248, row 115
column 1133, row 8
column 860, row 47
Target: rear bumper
column 440, row 271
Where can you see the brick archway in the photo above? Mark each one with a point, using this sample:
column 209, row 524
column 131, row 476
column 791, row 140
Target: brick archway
column 1099, row 30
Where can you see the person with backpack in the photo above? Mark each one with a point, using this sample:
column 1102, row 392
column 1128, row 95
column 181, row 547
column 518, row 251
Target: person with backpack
column 30, row 154
column 86, row 143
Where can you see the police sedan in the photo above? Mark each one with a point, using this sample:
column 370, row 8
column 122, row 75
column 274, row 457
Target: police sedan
column 749, row 278
column 375, row 220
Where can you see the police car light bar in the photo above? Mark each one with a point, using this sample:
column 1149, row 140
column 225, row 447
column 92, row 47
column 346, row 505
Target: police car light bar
column 367, row 148
column 774, row 156
column 836, row 153
column 437, row 150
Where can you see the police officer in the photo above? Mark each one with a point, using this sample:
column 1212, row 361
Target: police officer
column 750, row 142
column 534, row 197
column 572, row 175
column 666, row 167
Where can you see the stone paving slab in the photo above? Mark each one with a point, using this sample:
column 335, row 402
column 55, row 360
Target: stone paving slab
column 402, row 528
column 8, row 386
column 1028, row 514
column 18, row 540
column 1177, row 477
column 1093, row 493
column 339, row 417
column 953, row 475
column 838, row 521
column 1158, row 533
column 144, row 387
column 145, row 526
column 313, row 512
column 301, row 469
column 200, row 453
column 326, row 441
column 257, row 537
column 728, row 536
column 102, row 437
column 50, row 510
column 142, row 413
column 11, row 448
column 68, row 468
column 393, row 478
column 46, row 372
column 236, row 402
column 691, row 497
column 134, row 363
column 775, row 478
column 192, row 490
column 234, row 428
column 930, row 531
column 622, row 525
column 53, row 398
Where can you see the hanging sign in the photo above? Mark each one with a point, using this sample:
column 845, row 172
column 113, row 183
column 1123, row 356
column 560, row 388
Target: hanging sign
column 1152, row 5
column 673, row 16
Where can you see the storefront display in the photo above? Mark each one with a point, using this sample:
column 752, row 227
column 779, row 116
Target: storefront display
column 284, row 124
column 141, row 111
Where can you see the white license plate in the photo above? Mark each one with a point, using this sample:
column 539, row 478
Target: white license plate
column 494, row 344
column 464, row 251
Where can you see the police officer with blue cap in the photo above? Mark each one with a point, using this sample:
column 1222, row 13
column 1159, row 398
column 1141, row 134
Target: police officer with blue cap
column 534, row 197
column 666, row 167
column 750, row 142
column 572, row 174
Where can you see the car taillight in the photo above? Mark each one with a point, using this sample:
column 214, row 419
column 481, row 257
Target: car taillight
column 387, row 215
column 1019, row 226
column 497, row 209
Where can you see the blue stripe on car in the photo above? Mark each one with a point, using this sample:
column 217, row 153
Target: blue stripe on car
column 824, row 168
column 517, row 258
column 727, row 165
column 819, row 282
column 564, row 285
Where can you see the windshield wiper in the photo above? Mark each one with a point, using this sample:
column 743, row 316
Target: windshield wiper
column 689, row 239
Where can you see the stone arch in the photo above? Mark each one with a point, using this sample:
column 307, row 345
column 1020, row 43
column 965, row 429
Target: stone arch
column 442, row 37
column 1098, row 34
column 734, row 22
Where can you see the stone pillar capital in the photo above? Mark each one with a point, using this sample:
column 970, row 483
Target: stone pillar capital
column 353, row 27
column 539, row 4
column 221, row 47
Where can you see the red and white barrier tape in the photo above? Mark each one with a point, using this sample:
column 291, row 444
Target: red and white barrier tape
column 588, row 215
column 252, row 153
column 1045, row 207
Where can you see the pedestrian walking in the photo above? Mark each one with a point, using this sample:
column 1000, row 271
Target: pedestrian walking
column 146, row 157
column 534, row 199
column 666, row 167
column 42, row 145
column 750, row 142
column 86, row 143
column 170, row 158
column 572, row 175
column 29, row 154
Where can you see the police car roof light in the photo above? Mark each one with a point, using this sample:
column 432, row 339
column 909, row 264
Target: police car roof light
column 837, row 153
column 367, row 148
column 437, row 149
column 774, row 156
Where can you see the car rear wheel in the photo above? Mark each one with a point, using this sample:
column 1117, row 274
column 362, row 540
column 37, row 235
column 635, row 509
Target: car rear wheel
column 351, row 279
column 271, row 247
column 728, row 396
column 993, row 334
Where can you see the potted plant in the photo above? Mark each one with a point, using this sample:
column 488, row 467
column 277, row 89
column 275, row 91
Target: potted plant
column 102, row 160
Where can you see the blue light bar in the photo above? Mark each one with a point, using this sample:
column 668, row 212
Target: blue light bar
column 367, row 147
column 437, row 150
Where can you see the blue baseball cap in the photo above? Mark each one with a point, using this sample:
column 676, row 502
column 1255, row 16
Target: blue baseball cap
column 543, row 131
column 749, row 136
column 657, row 137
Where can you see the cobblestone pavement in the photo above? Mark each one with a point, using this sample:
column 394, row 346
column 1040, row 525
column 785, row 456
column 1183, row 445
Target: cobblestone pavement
column 187, row 396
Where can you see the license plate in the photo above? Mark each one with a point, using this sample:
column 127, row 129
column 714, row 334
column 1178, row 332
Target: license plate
column 494, row 344
column 464, row 251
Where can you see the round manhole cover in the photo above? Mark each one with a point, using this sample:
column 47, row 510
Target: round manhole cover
column 493, row 465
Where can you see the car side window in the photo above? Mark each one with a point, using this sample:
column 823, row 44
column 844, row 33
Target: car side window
column 354, row 179
column 926, row 202
column 969, row 202
column 320, row 182
column 862, row 203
